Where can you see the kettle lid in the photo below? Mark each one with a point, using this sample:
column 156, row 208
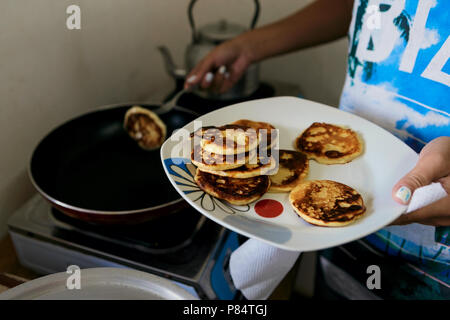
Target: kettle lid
column 220, row 31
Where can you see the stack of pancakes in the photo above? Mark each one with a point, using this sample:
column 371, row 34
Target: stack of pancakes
column 239, row 162
column 233, row 161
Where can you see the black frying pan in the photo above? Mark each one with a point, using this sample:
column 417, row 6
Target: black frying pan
column 90, row 169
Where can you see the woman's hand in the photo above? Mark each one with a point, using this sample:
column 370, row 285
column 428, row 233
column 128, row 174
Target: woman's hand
column 433, row 166
column 222, row 67
column 319, row 22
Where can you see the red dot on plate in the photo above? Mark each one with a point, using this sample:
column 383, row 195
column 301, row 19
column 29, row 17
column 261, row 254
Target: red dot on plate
column 268, row 208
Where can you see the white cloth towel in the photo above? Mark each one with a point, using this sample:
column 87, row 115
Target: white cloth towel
column 257, row 268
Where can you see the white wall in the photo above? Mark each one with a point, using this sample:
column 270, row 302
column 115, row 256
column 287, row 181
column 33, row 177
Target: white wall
column 48, row 74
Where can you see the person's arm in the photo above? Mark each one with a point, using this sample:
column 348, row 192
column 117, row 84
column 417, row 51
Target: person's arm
column 320, row 22
column 433, row 166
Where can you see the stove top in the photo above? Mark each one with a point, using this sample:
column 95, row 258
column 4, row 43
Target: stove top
column 178, row 245
column 185, row 246
column 160, row 236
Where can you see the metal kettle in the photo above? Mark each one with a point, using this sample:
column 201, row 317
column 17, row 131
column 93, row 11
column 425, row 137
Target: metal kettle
column 204, row 39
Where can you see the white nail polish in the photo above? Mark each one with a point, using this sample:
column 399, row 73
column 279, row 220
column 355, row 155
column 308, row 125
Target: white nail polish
column 192, row 78
column 209, row 76
column 222, row 69
column 404, row 194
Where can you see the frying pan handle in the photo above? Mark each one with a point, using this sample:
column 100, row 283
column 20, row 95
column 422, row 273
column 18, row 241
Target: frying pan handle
column 192, row 22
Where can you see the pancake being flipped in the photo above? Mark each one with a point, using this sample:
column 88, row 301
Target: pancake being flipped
column 327, row 203
column 228, row 139
column 247, row 170
column 207, row 161
column 267, row 138
column 293, row 168
column 232, row 190
column 329, row 144
column 145, row 127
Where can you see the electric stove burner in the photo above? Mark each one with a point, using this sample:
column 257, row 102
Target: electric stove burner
column 177, row 246
column 159, row 236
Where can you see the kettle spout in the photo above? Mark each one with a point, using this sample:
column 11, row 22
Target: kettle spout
column 172, row 69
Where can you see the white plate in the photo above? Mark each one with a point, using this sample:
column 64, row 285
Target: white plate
column 385, row 160
column 99, row 283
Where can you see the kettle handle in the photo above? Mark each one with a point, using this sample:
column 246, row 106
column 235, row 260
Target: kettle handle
column 192, row 23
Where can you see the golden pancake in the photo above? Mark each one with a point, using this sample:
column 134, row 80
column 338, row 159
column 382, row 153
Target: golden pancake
column 216, row 162
column 228, row 139
column 232, row 190
column 292, row 169
column 247, row 170
column 329, row 144
column 145, row 127
column 268, row 138
column 327, row 203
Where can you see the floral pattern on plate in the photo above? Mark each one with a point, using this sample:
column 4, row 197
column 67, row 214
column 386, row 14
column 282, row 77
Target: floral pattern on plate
column 183, row 172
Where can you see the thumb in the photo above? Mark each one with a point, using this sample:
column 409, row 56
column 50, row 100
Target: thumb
column 424, row 173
